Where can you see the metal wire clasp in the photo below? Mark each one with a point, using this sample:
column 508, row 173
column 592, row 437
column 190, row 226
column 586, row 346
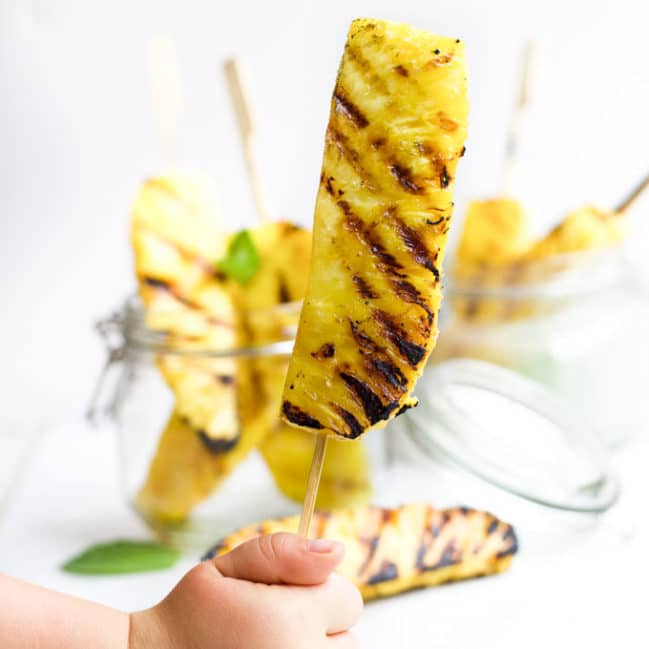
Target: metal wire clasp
column 110, row 330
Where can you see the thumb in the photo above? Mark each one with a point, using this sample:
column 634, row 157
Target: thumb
column 282, row 559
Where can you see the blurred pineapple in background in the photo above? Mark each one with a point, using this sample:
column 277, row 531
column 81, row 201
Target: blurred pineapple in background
column 224, row 408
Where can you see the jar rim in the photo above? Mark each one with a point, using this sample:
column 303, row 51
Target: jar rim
column 565, row 469
column 129, row 323
column 560, row 276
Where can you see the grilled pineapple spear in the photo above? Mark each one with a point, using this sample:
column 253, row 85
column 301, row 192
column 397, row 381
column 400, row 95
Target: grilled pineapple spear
column 396, row 131
column 389, row 551
column 176, row 241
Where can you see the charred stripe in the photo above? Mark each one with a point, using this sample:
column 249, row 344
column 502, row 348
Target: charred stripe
column 355, row 428
column 387, row 263
column 414, row 242
column 412, row 352
column 408, row 293
column 374, row 408
column 405, row 178
column 217, row 444
column 363, row 288
column 346, row 107
column 297, row 416
column 326, row 351
column 387, row 572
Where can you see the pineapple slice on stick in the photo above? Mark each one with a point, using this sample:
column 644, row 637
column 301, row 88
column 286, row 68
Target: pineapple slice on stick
column 369, row 321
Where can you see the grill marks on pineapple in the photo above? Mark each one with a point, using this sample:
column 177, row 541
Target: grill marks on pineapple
column 389, row 266
column 176, row 294
column 378, row 364
column 299, row 417
column 355, row 427
column 386, row 262
column 414, row 241
column 341, row 142
column 344, row 106
column 375, row 409
column 396, row 334
column 404, row 544
column 408, row 293
column 217, row 445
column 326, row 351
column 363, row 288
column 406, row 178
column 402, row 173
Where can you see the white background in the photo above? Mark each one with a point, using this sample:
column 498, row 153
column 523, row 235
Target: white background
column 78, row 134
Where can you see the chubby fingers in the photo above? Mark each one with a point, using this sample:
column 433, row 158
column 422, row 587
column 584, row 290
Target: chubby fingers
column 340, row 604
column 282, row 559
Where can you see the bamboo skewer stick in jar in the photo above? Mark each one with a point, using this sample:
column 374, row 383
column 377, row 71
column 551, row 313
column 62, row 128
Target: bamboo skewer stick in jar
column 165, row 92
column 242, row 108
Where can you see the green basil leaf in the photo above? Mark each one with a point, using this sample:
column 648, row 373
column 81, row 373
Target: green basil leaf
column 243, row 260
column 122, row 557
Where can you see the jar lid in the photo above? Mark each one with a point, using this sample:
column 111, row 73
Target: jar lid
column 513, row 433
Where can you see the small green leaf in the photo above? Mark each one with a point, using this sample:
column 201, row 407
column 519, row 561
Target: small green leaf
column 122, row 557
column 242, row 261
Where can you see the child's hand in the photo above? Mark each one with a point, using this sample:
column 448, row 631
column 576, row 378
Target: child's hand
column 274, row 592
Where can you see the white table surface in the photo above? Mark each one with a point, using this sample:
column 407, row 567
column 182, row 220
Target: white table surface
column 578, row 582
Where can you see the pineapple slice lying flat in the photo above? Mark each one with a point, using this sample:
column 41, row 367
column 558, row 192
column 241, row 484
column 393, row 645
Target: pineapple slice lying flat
column 396, row 131
column 389, row 551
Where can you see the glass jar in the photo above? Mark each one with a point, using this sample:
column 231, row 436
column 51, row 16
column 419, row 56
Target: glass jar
column 462, row 445
column 188, row 486
column 577, row 323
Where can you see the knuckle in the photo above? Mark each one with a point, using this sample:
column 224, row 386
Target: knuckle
column 267, row 548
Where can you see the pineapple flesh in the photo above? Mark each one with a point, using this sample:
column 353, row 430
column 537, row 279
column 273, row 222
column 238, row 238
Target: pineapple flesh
column 494, row 232
column 396, row 132
column 176, row 240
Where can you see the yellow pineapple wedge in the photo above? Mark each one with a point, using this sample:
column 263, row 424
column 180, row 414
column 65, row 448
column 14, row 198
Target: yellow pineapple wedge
column 188, row 464
column 345, row 479
column 177, row 241
column 586, row 228
column 494, row 232
column 396, row 132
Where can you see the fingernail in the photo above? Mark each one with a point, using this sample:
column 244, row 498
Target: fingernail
column 321, row 546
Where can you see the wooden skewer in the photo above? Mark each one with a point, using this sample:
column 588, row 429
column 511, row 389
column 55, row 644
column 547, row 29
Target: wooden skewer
column 635, row 193
column 312, row 484
column 515, row 126
column 163, row 77
column 241, row 104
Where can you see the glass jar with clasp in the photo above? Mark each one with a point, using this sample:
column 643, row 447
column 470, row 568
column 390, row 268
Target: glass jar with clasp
column 201, row 446
column 192, row 486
